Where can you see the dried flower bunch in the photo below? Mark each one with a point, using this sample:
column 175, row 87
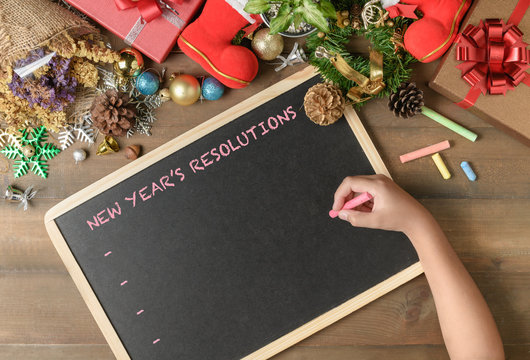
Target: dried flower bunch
column 46, row 97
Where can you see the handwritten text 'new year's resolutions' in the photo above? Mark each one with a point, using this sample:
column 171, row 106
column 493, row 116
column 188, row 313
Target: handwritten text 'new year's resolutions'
column 209, row 158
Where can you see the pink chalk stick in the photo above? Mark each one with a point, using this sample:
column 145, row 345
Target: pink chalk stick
column 157, row 340
column 429, row 150
column 139, row 312
column 353, row 203
column 107, row 254
column 123, row 283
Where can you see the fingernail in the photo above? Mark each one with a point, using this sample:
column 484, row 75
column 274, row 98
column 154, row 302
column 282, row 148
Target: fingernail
column 343, row 215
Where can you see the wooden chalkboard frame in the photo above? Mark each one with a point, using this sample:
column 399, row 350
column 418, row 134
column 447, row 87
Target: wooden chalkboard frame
column 148, row 159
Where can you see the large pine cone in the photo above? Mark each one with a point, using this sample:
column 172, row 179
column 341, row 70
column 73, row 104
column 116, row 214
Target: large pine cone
column 407, row 101
column 112, row 114
column 324, row 104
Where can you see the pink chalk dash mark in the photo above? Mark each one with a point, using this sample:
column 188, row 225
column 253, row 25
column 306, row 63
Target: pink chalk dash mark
column 107, row 254
column 157, row 340
column 123, row 283
column 353, row 203
column 139, row 312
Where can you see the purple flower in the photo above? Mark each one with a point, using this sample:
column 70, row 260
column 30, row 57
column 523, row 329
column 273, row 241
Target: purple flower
column 54, row 90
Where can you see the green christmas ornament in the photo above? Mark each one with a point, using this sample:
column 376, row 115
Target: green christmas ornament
column 31, row 152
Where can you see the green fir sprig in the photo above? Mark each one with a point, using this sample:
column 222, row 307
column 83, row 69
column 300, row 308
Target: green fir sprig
column 395, row 64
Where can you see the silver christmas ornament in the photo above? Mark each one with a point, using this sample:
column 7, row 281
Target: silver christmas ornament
column 296, row 56
column 79, row 155
column 13, row 194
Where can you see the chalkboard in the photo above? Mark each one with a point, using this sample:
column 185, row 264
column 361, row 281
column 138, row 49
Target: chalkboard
column 218, row 245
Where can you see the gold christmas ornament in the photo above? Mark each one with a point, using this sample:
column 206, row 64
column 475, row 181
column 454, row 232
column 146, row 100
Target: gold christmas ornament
column 343, row 18
column 184, row 89
column 28, row 150
column 109, row 145
column 267, row 46
column 131, row 63
column 165, row 95
column 324, row 104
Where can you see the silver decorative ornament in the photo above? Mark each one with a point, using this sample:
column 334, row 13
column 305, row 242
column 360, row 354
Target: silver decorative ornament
column 79, row 155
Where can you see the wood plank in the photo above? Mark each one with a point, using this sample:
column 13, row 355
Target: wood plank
column 407, row 315
column 56, row 352
column 44, row 308
column 489, row 235
column 416, row 352
column 501, row 174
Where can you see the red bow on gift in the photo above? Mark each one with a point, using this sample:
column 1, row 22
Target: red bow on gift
column 149, row 9
column 494, row 58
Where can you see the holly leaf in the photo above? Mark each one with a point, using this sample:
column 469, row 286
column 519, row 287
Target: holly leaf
column 312, row 15
column 327, row 9
column 257, row 6
column 20, row 168
column 11, row 152
column 283, row 19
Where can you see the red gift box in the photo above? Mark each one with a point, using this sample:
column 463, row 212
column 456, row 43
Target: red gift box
column 151, row 26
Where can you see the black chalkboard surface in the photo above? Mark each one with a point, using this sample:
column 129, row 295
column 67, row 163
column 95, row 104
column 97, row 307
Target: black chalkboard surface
column 222, row 248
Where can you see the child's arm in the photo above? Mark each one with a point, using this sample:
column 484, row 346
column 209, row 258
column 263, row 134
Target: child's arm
column 467, row 325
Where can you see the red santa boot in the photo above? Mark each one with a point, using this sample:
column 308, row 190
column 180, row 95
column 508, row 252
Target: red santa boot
column 430, row 37
column 208, row 41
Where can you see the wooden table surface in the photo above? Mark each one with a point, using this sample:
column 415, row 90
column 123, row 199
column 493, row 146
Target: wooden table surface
column 42, row 315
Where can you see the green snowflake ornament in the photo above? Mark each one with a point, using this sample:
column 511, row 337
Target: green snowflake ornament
column 31, row 152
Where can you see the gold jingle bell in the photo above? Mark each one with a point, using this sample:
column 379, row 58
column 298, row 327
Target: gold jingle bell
column 109, row 145
column 28, row 150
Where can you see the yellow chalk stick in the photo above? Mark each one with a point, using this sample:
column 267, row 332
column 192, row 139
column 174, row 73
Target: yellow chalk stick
column 441, row 166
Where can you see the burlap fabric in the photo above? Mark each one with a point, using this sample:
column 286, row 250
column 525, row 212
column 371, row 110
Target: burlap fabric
column 27, row 24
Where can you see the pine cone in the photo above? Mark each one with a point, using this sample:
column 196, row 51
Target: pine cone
column 324, row 104
column 355, row 12
column 112, row 113
column 407, row 101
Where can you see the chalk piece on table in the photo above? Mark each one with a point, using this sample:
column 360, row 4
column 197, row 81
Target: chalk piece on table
column 450, row 124
column 468, row 171
column 425, row 151
column 441, row 166
column 353, row 203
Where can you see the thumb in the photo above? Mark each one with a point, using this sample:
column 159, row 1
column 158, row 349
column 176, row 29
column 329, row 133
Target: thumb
column 357, row 218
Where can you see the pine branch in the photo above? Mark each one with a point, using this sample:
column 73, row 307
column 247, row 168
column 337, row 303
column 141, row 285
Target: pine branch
column 395, row 65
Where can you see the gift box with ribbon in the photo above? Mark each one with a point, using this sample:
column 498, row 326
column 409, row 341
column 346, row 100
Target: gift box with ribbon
column 151, row 26
column 488, row 68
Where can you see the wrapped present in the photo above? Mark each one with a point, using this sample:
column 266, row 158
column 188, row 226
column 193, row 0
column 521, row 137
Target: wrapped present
column 151, row 26
column 487, row 69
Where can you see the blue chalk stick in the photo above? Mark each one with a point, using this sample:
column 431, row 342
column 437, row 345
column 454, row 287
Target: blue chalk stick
column 468, row 170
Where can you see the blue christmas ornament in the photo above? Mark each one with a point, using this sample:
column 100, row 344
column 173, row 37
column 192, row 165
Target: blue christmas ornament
column 212, row 89
column 147, row 83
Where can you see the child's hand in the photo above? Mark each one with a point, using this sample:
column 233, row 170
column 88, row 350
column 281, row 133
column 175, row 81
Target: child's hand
column 390, row 209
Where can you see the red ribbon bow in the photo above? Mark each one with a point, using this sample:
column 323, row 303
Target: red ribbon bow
column 149, row 9
column 403, row 10
column 494, row 58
